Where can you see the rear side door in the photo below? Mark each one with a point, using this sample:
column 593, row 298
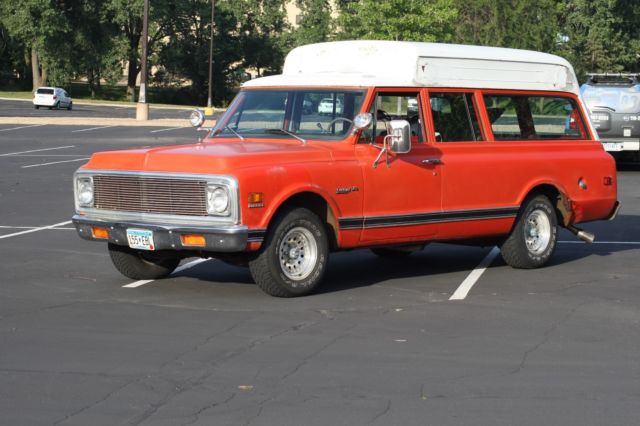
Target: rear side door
column 476, row 188
column 401, row 201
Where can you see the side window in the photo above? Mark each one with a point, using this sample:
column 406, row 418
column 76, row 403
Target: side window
column 389, row 106
column 454, row 117
column 524, row 117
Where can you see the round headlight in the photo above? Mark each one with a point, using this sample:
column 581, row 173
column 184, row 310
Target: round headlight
column 85, row 192
column 217, row 200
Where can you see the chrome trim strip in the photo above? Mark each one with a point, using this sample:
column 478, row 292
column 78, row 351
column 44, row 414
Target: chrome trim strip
column 231, row 229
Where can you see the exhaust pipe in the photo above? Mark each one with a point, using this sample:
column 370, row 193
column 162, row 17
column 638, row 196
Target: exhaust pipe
column 585, row 236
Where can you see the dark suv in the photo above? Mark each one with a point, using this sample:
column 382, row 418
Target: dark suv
column 614, row 104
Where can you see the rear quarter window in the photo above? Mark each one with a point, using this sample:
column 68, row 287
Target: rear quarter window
column 531, row 117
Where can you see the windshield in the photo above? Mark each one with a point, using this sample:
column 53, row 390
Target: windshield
column 317, row 114
column 620, row 99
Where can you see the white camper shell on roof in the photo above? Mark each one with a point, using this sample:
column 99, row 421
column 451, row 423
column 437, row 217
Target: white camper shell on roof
column 366, row 63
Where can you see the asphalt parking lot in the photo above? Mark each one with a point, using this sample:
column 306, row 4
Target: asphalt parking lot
column 381, row 343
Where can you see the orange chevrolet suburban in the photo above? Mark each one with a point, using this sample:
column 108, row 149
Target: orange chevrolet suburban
column 361, row 144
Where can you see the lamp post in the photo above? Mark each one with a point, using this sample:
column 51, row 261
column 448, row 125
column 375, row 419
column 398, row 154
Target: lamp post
column 142, row 108
column 209, row 109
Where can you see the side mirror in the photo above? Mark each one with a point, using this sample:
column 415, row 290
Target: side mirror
column 399, row 138
column 196, row 118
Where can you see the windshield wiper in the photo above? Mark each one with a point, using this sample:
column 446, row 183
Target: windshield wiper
column 231, row 130
column 286, row 132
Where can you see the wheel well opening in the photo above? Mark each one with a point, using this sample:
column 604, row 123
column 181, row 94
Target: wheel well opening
column 320, row 207
column 558, row 199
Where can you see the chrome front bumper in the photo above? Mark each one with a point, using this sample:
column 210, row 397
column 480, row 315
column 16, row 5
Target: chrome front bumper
column 222, row 239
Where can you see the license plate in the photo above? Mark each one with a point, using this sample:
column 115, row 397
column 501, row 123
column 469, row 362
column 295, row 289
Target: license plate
column 140, row 239
column 613, row 146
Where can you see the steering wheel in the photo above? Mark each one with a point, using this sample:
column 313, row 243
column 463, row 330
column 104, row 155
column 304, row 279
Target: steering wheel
column 335, row 120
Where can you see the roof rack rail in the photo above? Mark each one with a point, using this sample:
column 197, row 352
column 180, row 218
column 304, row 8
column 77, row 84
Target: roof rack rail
column 614, row 78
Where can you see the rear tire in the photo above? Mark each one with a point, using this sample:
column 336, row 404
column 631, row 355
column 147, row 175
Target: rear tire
column 534, row 236
column 36, row 107
column 294, row 255
column 135, row 265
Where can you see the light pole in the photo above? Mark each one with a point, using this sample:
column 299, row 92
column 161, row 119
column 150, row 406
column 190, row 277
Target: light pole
column 209, row 110
column 142, row 108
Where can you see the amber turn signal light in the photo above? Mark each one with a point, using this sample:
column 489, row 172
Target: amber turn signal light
column 102, row 233
column 255, row 197
column 195, row 240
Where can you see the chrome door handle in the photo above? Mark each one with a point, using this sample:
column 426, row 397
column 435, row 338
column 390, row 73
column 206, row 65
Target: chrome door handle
column 432, row 161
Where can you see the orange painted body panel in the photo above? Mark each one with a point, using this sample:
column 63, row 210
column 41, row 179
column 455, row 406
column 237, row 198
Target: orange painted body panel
column 410, row 201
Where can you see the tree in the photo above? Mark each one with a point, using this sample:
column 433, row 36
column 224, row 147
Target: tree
column 418, row 20
column 41, row 27
column 187, row 52
column 519, row 24
column 596, row 37
column 316, row 25
column 127, row 14
column 264, row 33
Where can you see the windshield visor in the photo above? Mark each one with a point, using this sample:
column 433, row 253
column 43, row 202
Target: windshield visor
column 619, row 99
column 313, row 114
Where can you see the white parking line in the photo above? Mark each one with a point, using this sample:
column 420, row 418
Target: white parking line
column 166, row 130
column 178, row 269
column 474, row 276
column 463, row 290
column 91, row 128
column 54, row 162
column 632, row 243
column 33, row 227
column 29, row 231
column 22, row 127
column 36, row 150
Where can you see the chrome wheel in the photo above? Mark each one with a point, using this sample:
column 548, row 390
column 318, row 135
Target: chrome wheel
column 537, row 231
column 298, row 253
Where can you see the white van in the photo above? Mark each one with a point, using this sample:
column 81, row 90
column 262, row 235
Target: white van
column 52, row 97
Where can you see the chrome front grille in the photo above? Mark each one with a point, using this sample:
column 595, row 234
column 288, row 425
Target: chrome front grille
column 156, row 195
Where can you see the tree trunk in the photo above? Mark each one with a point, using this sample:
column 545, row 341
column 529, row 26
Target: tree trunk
column 35, row 69
column 132, row 75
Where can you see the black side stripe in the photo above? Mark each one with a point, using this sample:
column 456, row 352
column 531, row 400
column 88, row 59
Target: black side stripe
column 426, row 218
column 256, row 235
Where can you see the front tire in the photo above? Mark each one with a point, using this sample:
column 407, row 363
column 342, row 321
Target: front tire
column 70, row 106
column 534, row 237
column 138, row 266
column 294, row 256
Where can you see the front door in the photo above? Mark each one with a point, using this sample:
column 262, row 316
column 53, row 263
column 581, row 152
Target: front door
column 402, row 197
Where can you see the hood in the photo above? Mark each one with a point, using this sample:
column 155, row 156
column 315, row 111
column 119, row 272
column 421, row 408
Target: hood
column 210, row 157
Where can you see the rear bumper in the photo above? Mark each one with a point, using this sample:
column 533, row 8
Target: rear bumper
column 620, row 144
column 615, row 211
column 46, row 103
column 223, row 239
